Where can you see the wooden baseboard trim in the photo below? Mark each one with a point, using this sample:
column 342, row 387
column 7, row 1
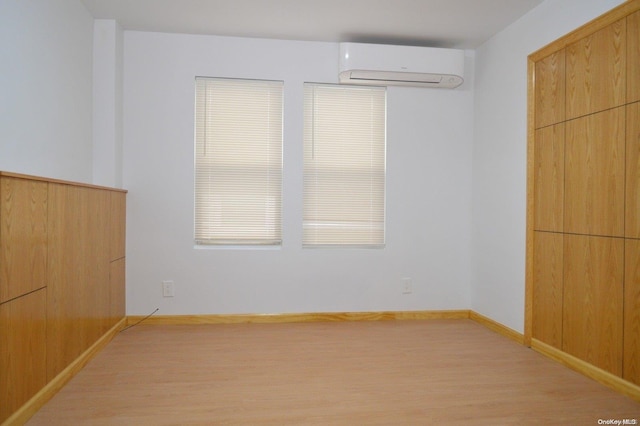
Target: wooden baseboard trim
column 604, row 377
column 497, row 327
column 327, row 317
column 299, row 317
column 25, row 412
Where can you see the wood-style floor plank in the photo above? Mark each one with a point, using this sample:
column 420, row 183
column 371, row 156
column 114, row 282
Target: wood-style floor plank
column 388, row 372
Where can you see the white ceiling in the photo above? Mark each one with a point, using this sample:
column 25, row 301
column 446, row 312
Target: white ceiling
column 436, row 23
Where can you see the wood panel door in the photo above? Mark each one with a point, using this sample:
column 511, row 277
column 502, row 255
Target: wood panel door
column 631, row 369
column 633, row 57
column 547, row 288
column 592, row 318
column 22, row 350
column 78, row 269
column 550, row 90
column 594, row 174
column 632, row 200
column 23, row 236
column 549, row 178
column 596, row 71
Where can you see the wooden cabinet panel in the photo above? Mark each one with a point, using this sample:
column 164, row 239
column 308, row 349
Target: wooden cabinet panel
column 633, row 57
column 547, row 288
column 594, row 174
column 60, row 291
column 117, row 290
column 632, row 200
column 631, row 370
column 22, row 350
column 549, row 178
column 550, row 90
column 118, row 227
column 596, row 71
column 592, row 170
column 98, row 262
column 78, row 270
column 593, row 300
column 23, row 236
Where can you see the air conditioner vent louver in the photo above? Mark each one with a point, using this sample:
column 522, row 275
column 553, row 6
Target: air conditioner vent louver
column 387, row 65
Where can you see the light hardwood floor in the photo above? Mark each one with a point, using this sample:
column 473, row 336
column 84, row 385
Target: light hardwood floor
column 351, row 373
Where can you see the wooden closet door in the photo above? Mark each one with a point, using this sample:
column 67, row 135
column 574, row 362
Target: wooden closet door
column 633, row 57
column 547, row 288
column 632, row 312
column 549, row 178
column 593, row 300
column 632, row 201
column 594, row 174
column 550, row 90
column 596, row 71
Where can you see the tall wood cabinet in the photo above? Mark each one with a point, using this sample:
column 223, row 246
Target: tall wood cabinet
column 583, row 256
column 62, row 283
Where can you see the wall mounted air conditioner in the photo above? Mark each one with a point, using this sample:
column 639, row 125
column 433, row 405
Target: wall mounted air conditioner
column 387, row 65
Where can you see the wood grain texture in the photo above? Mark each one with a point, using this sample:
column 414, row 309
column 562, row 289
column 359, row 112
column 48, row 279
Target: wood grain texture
column 592, row 323
column 594, row 174
column 550, row 90
column 549, row 178
column 23, row 236
column 547, row 288
column 26, row 411
column 78, row 272
column 495, row 326
column 22, row 350
column 327, row 317
column 117, row 227
column 601, row 376
column 596, row 71
column 117, row 296
column 633, row 57
column 631, row 370
column 297, row 317
column 55, row 250
column 632, row 199
column 328, row 373
column 602, row 72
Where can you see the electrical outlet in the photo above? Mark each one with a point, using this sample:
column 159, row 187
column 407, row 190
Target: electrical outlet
column 168, row 289
column 407, row 286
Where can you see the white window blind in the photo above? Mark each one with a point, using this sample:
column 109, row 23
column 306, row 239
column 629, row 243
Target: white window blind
column 238, row 161
column 344, row 165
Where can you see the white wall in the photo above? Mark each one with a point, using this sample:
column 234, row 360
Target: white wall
column 463, row 244
column 499, row 156
column 45, row 88
column 428, row 190
column 108, row 50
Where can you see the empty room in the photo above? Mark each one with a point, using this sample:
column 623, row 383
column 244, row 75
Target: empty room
column 292, row 212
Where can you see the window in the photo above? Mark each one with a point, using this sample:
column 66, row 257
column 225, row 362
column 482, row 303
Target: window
column 238, row 161
column 344, row 165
